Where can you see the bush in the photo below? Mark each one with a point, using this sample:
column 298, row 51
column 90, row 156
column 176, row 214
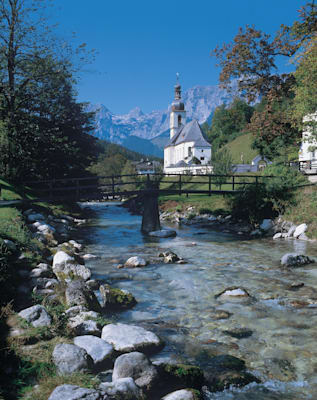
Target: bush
column 270, row 197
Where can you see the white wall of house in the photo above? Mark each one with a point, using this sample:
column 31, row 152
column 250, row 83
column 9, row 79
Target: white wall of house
column 203, row 154
column 190, row 170
column 306, row 151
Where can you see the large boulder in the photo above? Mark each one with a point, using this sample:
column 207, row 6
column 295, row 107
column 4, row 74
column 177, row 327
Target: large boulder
column 300, row 229
column 114, row 298
column 137, row 366
column 35, row 217
column 184, row 394
column 290, row 260
column 100, row 351
column 36, row 316
column 179, row 376
column 225, row 371
column 61, row 257
column 69, row 358
column 72, row 392
column 78, row 294
column 134, row 262
column 127, row 338
column 84, row 323
column 123, row 389
column 66, row 271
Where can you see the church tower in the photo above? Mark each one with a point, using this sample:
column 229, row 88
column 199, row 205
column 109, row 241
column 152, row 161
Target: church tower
column 178, row 113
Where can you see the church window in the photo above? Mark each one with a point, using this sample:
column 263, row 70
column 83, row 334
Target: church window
column 179, row 120
column 189, row 151
column 202, row 158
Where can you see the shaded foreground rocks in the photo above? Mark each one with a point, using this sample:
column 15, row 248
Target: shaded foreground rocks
column 290, row 260
column 78, row 294
column 101, row 352
column 137, row 366
column 69, row 358
column 128, row 338
column 123, row 389
column 72, row 392
column 36, row 316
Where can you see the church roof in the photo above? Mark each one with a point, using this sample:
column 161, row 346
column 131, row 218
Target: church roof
column 190, row 132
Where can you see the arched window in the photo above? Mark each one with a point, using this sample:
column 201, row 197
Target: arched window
column 179, row 120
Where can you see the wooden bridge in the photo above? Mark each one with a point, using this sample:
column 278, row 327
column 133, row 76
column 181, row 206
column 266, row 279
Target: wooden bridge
column 105, row 187
column 148, row 187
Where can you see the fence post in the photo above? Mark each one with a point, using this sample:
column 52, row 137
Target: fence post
column 209, row 185
column 112, row 185
column 180, row 184
column 256, row 181
column 233, row 183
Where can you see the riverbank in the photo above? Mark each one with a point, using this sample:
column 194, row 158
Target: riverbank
column 48, row 284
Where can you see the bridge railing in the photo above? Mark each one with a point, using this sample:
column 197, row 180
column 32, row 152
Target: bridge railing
column 120, row 185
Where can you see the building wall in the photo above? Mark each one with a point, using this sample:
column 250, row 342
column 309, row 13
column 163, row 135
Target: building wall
column 174, row 121
column 202, row 152
column 307, row 141
column 190, row 170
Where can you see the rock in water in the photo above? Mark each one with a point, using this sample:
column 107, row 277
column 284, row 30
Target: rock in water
column 137, row 366
column 127, row 338
column 116, row 298
column 123, row 389
column 290, row 260
column 78, row 294
column 163, row 233
column 184, row 394
column 134, row 262
column 300, row 229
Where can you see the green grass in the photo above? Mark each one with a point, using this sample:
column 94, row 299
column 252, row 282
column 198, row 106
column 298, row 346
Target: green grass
column 304, row 210
column 215, row 204
column 242, row 145
column 14, row 192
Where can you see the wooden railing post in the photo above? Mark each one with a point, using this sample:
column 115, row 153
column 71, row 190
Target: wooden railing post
column 112, row 185
column 233, row 183
column 209, row 185
column 256, row 181
column 180, row 184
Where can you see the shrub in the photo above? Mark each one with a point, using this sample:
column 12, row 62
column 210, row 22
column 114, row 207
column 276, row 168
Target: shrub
column 270, row 197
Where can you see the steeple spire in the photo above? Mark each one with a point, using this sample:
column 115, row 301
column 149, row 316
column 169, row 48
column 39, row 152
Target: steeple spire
column 177, row 87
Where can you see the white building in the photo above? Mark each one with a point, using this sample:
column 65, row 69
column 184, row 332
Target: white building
column 187, row 151
column 308, row 149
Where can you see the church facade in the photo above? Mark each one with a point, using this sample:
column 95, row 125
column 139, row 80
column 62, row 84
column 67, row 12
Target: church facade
column 187, row 150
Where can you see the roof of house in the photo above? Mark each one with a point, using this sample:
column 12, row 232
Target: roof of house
column 190, row 132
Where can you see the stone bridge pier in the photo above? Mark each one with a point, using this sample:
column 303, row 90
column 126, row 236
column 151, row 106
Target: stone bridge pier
column 151, row 217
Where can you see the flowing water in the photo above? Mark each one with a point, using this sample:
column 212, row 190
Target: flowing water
column 178, row 301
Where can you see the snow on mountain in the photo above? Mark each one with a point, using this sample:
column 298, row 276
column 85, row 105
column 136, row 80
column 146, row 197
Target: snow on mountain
column 200, row 102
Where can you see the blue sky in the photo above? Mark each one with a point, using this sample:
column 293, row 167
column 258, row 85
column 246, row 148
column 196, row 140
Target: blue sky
column 142, row 44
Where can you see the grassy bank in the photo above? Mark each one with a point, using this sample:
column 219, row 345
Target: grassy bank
column 302, row 208
column 21, row 368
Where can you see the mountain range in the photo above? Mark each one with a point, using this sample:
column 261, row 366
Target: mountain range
column 149, row 132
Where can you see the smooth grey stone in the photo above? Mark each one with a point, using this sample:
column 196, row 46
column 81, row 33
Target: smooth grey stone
column 69, row 358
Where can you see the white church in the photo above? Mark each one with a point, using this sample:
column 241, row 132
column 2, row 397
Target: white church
column 187, row 150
